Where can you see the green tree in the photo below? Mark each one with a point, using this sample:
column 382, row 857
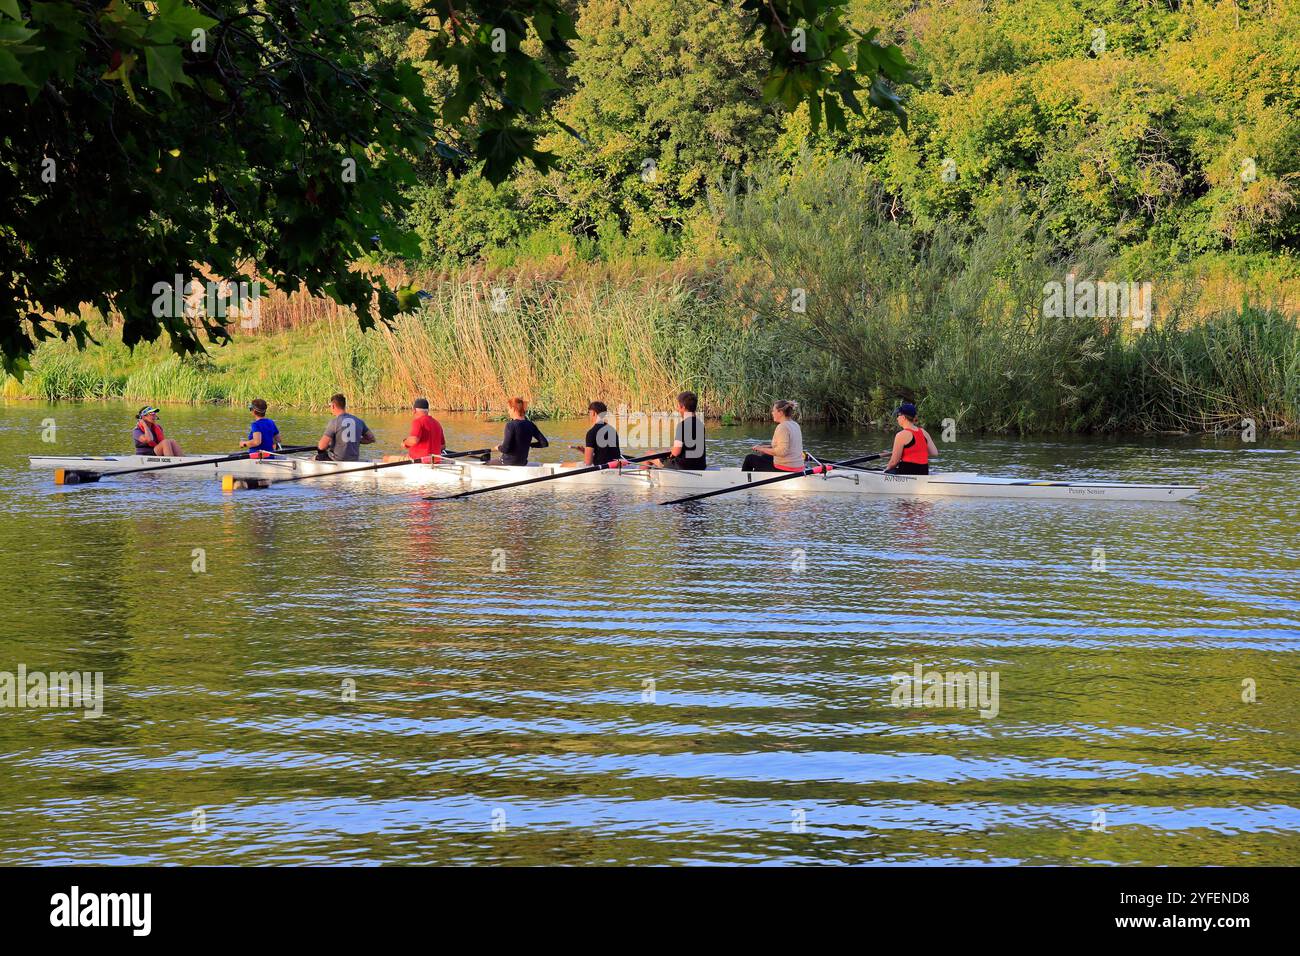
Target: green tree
column 667, row 99
column 273, row 139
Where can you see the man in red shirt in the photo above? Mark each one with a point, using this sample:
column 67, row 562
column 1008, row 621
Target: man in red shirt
column 426, row 434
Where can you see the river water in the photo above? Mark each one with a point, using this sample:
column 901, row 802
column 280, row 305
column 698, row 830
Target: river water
column 326, row 673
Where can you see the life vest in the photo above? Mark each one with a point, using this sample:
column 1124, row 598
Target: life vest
column 153, row 434
column 918, row 452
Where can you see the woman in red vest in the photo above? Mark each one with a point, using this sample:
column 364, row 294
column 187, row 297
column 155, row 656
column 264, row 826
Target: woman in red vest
column 148, row 435
column 913, row 446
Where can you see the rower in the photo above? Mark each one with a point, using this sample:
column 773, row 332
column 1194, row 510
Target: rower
column 601, row 444
column 521, row 435
column 263, row 435
column 426, row 439
column 786, row 451
column 344, row 435
column 148, row 435
column 913, row 445
column 687, row 452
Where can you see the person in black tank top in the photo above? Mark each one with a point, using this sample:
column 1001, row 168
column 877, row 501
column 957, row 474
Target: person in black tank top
column 600, row 447
column 688, row 441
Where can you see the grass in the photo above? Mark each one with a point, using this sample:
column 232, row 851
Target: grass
column 566, row 333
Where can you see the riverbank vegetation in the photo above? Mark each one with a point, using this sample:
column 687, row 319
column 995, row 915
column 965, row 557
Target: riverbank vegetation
column 689, row 231
column 960, row 326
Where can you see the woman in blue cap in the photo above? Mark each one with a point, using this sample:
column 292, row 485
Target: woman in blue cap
column 913, row 446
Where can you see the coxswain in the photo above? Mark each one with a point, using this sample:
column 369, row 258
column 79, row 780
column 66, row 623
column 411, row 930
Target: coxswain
column 148, row 435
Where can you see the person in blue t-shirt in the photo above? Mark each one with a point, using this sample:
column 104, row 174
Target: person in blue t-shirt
column 262, row 434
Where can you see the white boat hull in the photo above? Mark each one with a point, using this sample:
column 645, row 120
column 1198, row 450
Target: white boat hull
column 956, row 485
column 839, row 481
column 92, row 466
column 456, row 475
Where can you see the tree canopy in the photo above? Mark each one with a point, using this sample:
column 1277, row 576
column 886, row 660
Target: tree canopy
column 278, row 140
column 1168, row 127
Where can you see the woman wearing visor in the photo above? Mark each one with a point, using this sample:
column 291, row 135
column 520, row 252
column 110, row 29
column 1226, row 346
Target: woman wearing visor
column 148, row 435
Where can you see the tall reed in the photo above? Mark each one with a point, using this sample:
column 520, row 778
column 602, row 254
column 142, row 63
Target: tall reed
column 954, row 322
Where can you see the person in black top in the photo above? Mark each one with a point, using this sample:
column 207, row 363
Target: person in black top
column 521, row 435
column 601, row 444
column 688, row 441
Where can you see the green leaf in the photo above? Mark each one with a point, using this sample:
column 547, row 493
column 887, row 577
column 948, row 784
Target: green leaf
column 15, row 35
column 500, row 148
column 788, row 87
column 882, row 97
column 458, row 104
column 408, row 299
column 183, row 20
column 565, row 28
column 12, row 72
column 542, row 23
column 165, row 68
column 62, row 15
column 851, row 100
column 834, row 113
column 10, row 9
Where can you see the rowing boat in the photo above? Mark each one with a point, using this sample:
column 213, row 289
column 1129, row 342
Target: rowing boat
column 461, row 475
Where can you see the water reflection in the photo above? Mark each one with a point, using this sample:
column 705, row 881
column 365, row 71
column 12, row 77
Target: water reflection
column 769, row 624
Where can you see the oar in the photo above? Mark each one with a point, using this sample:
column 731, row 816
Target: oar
column 532, row 481
column 380, row 465
column 192, row 464
column 848, row 462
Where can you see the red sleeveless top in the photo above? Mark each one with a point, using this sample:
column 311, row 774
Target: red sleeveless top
column 918, row 452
